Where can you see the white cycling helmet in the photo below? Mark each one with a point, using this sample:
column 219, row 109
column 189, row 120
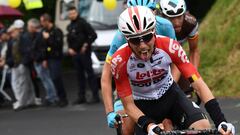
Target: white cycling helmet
column 173, row 8
column 136, row 21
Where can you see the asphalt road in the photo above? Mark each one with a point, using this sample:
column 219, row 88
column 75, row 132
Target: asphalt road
column 76, row 120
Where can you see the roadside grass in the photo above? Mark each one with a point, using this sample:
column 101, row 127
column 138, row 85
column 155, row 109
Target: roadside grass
column 220, row 48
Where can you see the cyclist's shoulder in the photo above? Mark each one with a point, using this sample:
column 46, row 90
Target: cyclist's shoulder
column 189, row 19
column 124, row 51
column 165, row 43
column 162, row 41
column 120, row 57
column 162, row 21
column 118, row 38
column 164, row 27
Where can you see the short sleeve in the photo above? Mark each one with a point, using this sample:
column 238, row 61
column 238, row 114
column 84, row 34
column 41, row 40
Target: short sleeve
column 180, row 59
column 119, row 72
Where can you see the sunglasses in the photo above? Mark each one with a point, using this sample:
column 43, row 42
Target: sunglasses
column 146, row 38
column 179, row 11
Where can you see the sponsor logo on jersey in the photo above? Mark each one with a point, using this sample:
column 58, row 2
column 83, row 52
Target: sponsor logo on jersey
column 147, row 74
column 157, row 61
column 148, row 82
column 132, row 66
column 115, row 61
column 140, row 65
column 174, row 47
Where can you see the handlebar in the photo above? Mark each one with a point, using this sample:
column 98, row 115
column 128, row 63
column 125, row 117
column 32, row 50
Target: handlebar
column 189, row 132
column 118, row 119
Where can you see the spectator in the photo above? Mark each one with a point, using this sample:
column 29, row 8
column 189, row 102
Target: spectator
column 4, row 38
column 19, row 24
column 17, row 59
column 80, row 37
column 38, row 53
column 28, row 39
column 53, row 37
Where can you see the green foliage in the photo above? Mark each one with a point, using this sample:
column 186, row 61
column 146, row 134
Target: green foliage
column 220, row 48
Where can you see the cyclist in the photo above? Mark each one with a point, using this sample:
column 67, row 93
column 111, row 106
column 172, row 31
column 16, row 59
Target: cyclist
column 186, row 28
column 141, row 70
column 163, row 27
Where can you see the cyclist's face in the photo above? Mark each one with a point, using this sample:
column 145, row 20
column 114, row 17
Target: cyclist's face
column 143, row 46
column 177, row 23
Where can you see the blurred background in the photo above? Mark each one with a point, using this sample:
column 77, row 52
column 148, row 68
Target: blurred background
column 218, row 42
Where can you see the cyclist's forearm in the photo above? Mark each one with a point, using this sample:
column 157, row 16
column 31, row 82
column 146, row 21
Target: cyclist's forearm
column 195, row 58
column 136, row 114
column 175, row 72
column 107, row 99
column 209, row 101
column 106, row 84
column 203, row 91
column 194, row 55
column 131, row 109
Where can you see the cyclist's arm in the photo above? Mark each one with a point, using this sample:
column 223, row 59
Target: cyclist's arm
column 194, row 55
column 125, row 93
column 175, row 72
column 106, row 85
column 106, row 79
column 131, row 109
column 119, row 71
column 203, row 90
column 178, row 56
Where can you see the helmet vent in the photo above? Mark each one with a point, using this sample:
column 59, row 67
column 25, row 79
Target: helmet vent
column 144, row 23
column 136, row 22
column 147, row 2
column 136, row 2
column 130, row 3
column 129, row 27
column 126, row 32
column 172, row 4
column 151, row 24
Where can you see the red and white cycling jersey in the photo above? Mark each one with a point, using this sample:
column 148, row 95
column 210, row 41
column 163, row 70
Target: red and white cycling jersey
column 149, row 80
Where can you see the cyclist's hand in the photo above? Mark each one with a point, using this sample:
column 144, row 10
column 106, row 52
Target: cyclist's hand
column 226, row 128
column 111, row 119
column 153, row 128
